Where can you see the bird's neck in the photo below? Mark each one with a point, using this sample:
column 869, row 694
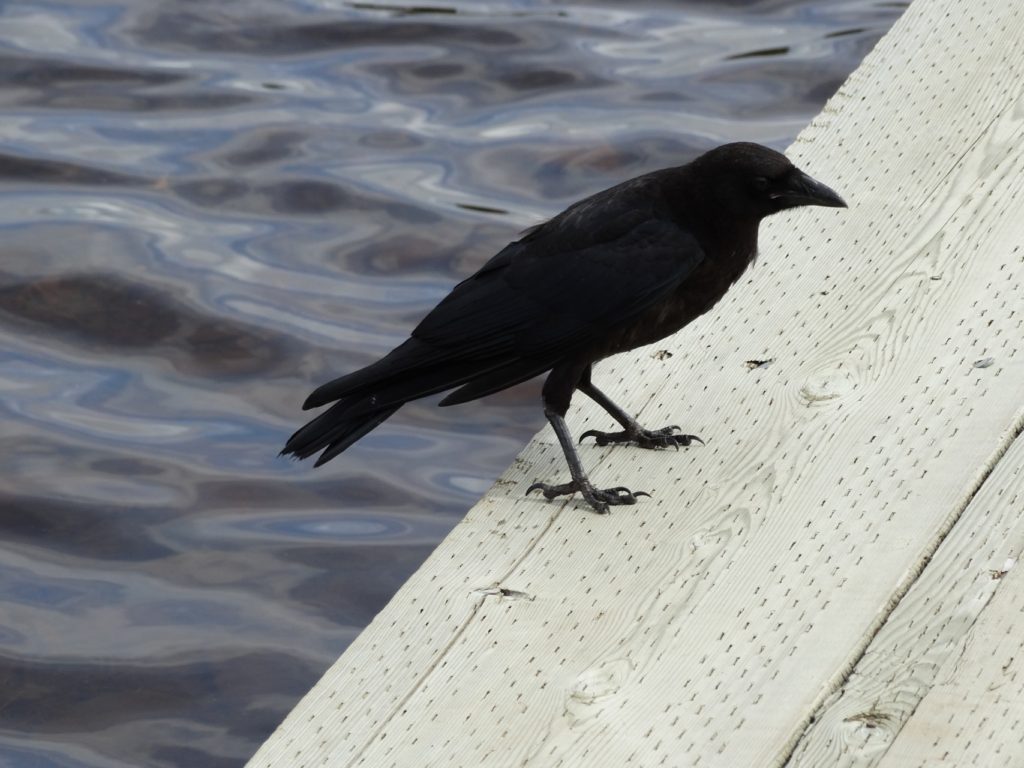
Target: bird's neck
column 718, row 226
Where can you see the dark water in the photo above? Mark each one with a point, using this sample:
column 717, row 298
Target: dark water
column 208, row 207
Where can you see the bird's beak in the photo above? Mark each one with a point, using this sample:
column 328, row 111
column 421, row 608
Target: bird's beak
column 803, row 190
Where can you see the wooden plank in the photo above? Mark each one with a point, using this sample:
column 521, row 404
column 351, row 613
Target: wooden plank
column 974, row 716
column 706, row 626
column 933, row 648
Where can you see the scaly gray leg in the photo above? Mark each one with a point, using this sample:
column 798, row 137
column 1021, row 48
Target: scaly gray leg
column 631, row 432
column 599, row 499
column 557, row 394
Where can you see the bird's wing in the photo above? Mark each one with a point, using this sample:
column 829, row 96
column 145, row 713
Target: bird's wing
column 549, row 294
column 554, row 292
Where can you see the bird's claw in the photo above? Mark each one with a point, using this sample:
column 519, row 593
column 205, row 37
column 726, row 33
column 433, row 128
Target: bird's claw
column 645, row 438
column 598, row 499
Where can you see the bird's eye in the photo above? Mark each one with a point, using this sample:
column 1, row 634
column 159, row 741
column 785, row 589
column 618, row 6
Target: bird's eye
column 760, row 183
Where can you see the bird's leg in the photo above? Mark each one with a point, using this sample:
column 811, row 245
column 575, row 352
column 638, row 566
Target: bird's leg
column 556, row 402
column 631, row 432
column 599, row 499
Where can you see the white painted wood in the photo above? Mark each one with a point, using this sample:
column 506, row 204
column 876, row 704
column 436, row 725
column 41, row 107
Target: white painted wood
column 974, row 716
column 927, row 640
column 705, row 626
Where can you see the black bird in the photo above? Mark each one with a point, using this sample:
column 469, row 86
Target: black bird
column 617, row 270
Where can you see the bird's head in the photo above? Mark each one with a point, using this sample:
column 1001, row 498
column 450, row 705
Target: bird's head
column 762, row 180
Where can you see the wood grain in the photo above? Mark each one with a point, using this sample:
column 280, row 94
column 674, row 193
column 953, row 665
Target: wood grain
column 707, row 626
column 918, row 654
column 974, row 715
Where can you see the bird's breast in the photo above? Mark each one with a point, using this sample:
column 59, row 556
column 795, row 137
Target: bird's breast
column 697, row 294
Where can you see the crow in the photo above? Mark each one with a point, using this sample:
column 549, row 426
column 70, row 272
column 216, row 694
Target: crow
column 617, row 270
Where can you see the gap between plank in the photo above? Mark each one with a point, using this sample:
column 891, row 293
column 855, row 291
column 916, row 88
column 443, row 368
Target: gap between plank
column 901, row 591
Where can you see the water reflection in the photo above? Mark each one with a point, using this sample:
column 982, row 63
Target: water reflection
column 208, row 209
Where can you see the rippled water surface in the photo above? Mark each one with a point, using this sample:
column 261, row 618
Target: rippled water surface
column 210, row 207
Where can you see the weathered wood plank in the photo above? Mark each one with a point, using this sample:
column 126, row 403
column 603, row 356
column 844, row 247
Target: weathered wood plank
column 974, row 716
column 919, row 653
column 706, row 626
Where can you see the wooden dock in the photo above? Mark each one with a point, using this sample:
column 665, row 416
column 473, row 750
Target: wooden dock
column 833, row 580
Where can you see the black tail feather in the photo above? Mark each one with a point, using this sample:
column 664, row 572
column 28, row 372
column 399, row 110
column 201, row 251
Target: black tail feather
column 363, row 426
column 403, row 363
column 336, row 429
column 366, row 398
column 494, row 381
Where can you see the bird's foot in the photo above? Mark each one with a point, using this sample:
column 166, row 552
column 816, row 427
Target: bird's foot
column 600, row 500
column 645, row 438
